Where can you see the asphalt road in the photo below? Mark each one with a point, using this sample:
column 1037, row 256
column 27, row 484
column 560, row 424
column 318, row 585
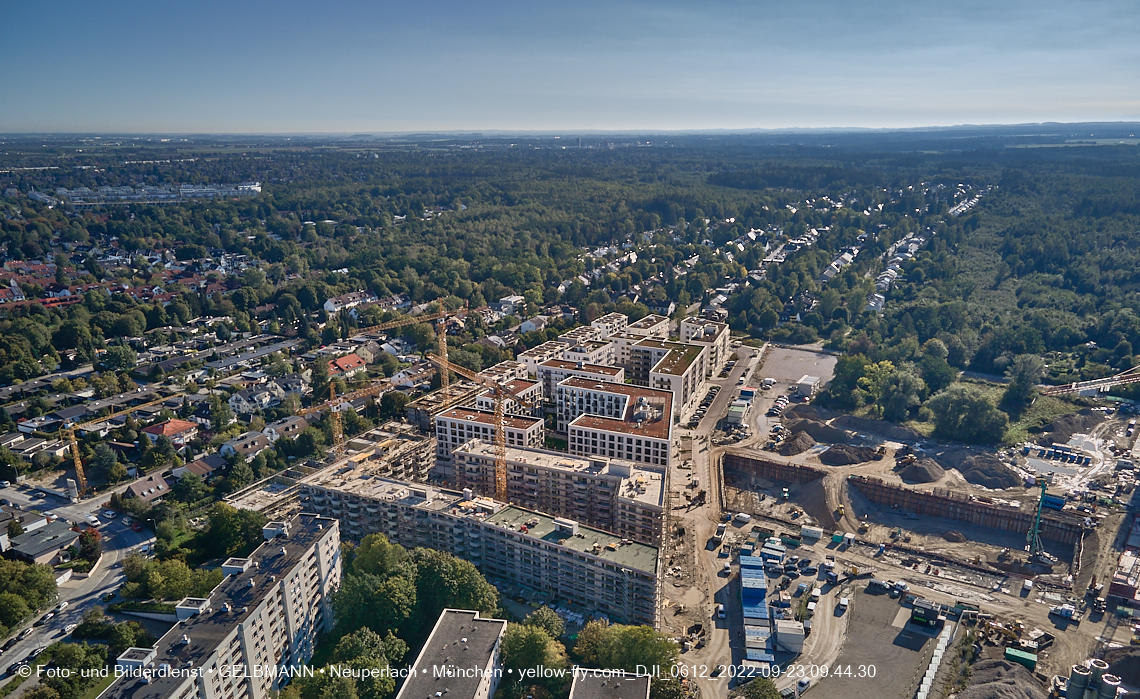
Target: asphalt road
column 702, row 521
column 80, row 593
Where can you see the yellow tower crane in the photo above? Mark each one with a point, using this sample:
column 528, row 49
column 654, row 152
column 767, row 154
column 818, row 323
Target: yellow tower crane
column 441, row 331
column 502, row 395
column 80, row 475
column 373, row 389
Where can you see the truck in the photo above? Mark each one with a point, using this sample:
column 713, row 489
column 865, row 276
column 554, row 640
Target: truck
column 720, row 529
column 1066, row 611
column 832, row 578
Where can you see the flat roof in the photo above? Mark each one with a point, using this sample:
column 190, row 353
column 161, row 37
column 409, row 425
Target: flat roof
column 641, row 484
column 652, row 428
column 206, row 631
column 648, row 322
column 642, row 557
column 678, row 361
column 461, row 640
column 485, row 418
column 545, row 349
column 590, row 368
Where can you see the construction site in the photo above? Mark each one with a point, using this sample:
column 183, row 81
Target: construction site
column 1024, row 550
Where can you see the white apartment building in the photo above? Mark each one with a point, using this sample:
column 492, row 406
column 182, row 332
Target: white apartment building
column 555, row 371
column 622, row 497
column 681, row 371
column 456, row 426
column 713, row 336
column 535, row 356
column 591, row 352
column 267, row 611
column 523, row 388
column 580, row 334
column 616, row 420
column 652, row 326
column 471, row 673
column 611, row 323
column 558, row 558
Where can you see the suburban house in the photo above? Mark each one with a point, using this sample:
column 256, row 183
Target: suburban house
column 43, row 545
column 205, row 468
column 348, row 301
column 148, row 489
column 532, row 324
column 369, row 352
column 295, row 384
column 346, row 366
column 258, row 398
column 248, row 445
column 285, row 427
column 180, row 432
column 512, row 305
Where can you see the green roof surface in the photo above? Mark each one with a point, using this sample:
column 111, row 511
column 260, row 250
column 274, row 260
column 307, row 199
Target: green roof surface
column 632, row 555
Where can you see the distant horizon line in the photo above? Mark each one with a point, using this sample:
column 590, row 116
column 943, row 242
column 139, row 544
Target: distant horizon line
column 566, row 131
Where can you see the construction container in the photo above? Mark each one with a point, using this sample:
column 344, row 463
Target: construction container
column 807, row 532
column 1029, row 660
column 837, row 538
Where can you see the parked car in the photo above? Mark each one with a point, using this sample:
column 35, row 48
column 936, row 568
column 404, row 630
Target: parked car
column 136, row 527
column 110, row 514
column 5, row 484
column 720, row 611
column 62, row 606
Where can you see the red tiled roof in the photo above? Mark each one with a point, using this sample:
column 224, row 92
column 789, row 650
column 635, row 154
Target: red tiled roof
column 170, row 428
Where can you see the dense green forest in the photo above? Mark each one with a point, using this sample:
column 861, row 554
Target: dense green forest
column 1043, row 263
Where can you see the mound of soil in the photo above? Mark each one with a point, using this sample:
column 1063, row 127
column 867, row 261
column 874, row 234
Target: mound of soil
column 808, row 412
column 954, row 535
column 922, row 471
column 988, row 471
column 1125, row 664
column 880, row 427
column 798, row 443
column 1062, row 429
column 845, row 455
column 982, row 469
column 1001, row 679
column 819, row 431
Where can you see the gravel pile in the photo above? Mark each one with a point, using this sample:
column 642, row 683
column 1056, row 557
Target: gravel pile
column 820, row 431
column 1001, row 679
column 988, row 471
column 1062, row 429
column 798, row 443
column 1125, row 664
column 922, row 471
column 955, row 536
column 845, row 455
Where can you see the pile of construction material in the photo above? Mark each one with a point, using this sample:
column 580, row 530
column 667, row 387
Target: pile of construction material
column 798, row 443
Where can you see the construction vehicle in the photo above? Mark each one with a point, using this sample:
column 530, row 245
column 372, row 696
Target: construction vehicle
column 880, row 453
column 1066, row 611
column 502, row 395
column 864, row 527
column 80, row 475
column 840, row 510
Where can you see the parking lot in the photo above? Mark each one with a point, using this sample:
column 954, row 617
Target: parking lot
column 880, row 642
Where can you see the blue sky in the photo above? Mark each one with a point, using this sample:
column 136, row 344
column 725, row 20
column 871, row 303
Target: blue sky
column 344, row 66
